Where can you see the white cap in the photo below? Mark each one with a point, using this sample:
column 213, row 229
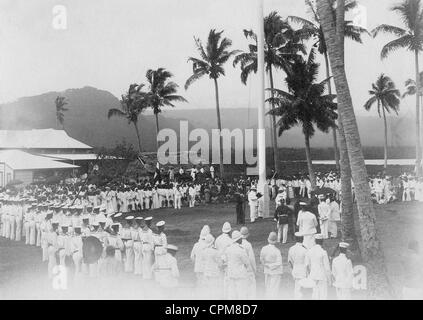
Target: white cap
column 160, row 223
column 303, row 203
column 226, row 227
column 117, row 215
column 129, row 218
column 148, row 219
column 244, row 232
column 343, row 245
column 139, row 218
column 209, row 239
column 171, row 247
column 236, row 235
column 204, row 232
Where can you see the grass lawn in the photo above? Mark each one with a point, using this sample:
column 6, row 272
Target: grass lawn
column 23, row 275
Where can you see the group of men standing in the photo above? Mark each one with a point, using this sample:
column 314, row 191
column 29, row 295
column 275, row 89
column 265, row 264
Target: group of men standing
column 226, row 267
column 68, row 235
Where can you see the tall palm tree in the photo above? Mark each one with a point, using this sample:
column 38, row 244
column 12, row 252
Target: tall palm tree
column 314, row 30
column 387, row 98
column 161, row 91
column 132, row 104
column 281, row 44
column 410, row 38
column 60, row 103
column 305, row 104
column 212, row 59
column 371, row 249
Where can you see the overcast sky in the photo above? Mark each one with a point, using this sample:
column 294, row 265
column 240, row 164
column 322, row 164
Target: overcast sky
column 109, row 44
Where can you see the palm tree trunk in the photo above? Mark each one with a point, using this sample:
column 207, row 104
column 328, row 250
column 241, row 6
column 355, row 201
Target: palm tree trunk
column 335, row 142
column 371, row 248
column 309, row 162
column 219, row 125
column 385, row 146
column 347, row 215
column 418, row 141
column 138, row 135
column 157, row 130
column 274, row 133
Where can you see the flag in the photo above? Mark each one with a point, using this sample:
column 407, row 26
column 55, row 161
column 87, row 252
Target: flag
column 157, row 172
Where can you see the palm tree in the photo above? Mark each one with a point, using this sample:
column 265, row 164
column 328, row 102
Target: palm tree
column 387, row 98
column 281, row 44
column 305, row 104
column 370, row 245
column 410, row 88
column 132, row 104
column 314, row 30
column 211, row 62
column 161, row 91
column 410, row 38
column 60, row 103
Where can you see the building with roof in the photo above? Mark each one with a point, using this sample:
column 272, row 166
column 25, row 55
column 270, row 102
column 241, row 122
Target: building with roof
column 28, row 155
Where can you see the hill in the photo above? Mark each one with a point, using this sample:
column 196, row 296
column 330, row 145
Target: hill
column 87, row 121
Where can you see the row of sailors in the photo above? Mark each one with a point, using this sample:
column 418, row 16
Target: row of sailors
column 143, row 198
column 136, row 246
column 226, row 266
column 296, row 187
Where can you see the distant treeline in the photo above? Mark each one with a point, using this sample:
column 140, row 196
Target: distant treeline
column 295, row 154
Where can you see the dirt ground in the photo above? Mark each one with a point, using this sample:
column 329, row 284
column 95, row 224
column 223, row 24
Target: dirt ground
column 24, row 276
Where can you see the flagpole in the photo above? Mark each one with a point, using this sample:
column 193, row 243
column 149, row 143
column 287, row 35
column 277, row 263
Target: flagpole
column 261, row 132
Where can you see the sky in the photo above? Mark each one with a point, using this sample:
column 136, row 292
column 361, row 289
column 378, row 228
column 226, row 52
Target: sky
column 109, row 44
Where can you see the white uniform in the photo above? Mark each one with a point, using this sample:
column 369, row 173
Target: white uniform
column 296, row 256
column 146, row 237
column 212, row 278
column 252, row 285
column 342, row 271
column 318, row 262
column 307, row 224
column 237, row 261
column 324, row 213
column 334, row 217
column 252, row 201
column 271, row 259
column 196, row 257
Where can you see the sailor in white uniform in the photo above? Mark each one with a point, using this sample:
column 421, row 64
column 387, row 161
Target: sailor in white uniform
column 342, row 272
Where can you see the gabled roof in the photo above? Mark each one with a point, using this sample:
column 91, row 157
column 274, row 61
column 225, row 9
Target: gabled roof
column 20, row 160
column 39, row 139
column 71, row 156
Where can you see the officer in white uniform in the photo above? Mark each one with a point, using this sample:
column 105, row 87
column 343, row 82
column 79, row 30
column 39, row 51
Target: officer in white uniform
column 252, row 268
column 196, row 253
column 324, row 213
column 271, row 259
column 253, row 203
column 296, row 259
column 212, row 261
column 146, row 236
column 237, row 262
column 307, row 224
column 317, row 262
column 137, row 246
column 342, row 272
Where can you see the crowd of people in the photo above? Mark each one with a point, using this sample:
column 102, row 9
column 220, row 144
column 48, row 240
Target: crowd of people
column 60, row 218
column 225, row 267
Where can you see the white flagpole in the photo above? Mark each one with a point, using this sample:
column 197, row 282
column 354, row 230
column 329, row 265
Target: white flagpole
column 261, row 132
